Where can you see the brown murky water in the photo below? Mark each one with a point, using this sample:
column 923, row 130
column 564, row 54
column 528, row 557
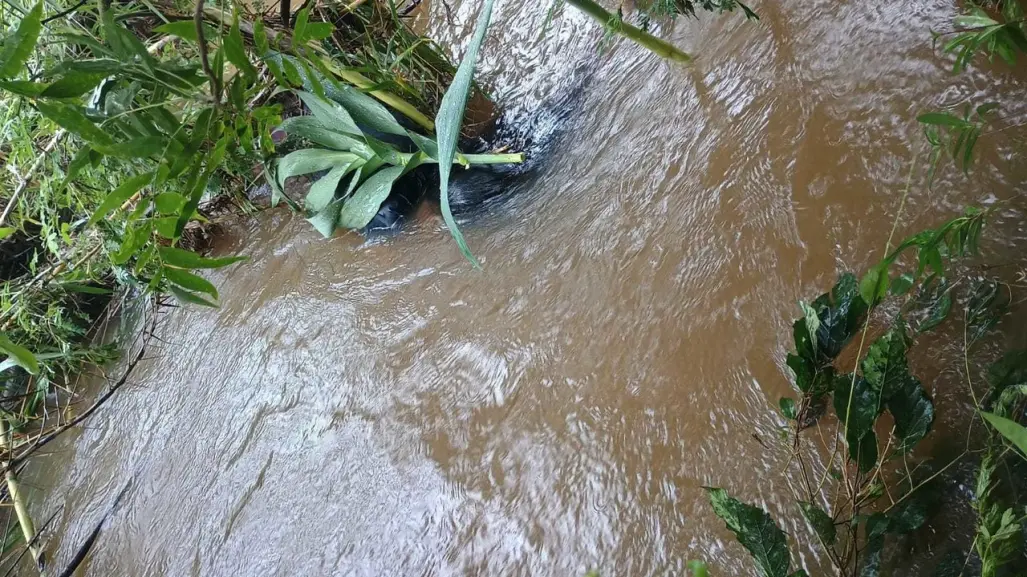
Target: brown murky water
column 381, row 409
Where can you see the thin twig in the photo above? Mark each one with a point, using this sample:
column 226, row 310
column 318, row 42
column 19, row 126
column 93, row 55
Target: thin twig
column 215, row 83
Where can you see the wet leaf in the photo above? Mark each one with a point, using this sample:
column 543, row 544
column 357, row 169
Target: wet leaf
column 7, row 231
column 326, row 220
column 119, row 195
column 884, row 366
column 788, row 408
column 365, row 202
column 821, row 522
column 913, row 412
column 330, row 114
column 448, row 120
column 187, row 297
column 168, row 202
column 876, row 527
column 941, row 119
column 938, row 312
column 19, row 355
column 697, row 568
column 181, row 258
column 317, row 31
column 902, row 284
column 366, row 111
column 323, row 191
column 755, row 530
column 260, row 39
column 874, row 284
column 235, row 51
column 310, row 160
column 190, row 281
column 862, row 406
column 18, row 47
column 1014, row 432
column 310, row 128
column 73, row 85
column 73, row 120
column 841, row 314
column 23, row 87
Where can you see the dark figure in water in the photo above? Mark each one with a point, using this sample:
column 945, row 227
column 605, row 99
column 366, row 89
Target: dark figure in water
column 480, row 186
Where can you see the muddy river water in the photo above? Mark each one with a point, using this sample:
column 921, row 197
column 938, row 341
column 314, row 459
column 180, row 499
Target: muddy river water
column 380, row 408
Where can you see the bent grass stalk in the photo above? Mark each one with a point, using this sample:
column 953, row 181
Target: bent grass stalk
column 661, row 48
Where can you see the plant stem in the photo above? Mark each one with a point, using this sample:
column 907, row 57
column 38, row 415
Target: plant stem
column 473, row 159
column 661, row 48
column 28, row 530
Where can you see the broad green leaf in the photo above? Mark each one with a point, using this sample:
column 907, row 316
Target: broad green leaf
column 235, row 51
column 975, row 21
column 309, row 160
column 841, row 314
column 875, row 529
column 185, row 29
column 166, row 226
column 330, row 114
column 447, row 124
column 366, row 111
column 310, row 128
column 6, row 231
column 697, row 568
column 884, row 366
column 323, row 191
column 902, row 284
column 299, row 31
column 913, row 412
column 19, row 46
column 787, row 405
column 858, row 408
column 821, row 522
column 942, row 119
column 260, row 39
column 135, row 237
column 119, row 195
column 317, row 31
column 19, row 355
column 73, row 120
column 367, row 200
column 23, row 87
column 291, row 72
column 874, row 284
column 168, row 202
column 327, row 219
column 277, row 194
column 190, row 281
column 187, row 297
column 812, row 323
column 425, row 144
column 1014, row 432
column 73, row 85
column 755, row 530
column 938, row 312
column 181, row 258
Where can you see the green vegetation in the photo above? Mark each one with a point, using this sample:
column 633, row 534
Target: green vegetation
column 873, row 491
column 127, row 130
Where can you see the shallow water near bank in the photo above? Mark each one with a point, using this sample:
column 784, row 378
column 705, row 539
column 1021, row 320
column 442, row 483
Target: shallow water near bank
column 380, row 408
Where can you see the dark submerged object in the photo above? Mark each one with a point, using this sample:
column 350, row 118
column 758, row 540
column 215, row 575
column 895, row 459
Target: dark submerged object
column 474, row 189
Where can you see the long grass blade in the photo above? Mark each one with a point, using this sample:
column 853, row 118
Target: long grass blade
column 447, row 124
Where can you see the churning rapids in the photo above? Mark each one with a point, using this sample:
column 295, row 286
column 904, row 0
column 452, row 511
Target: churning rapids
column 379, row 408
